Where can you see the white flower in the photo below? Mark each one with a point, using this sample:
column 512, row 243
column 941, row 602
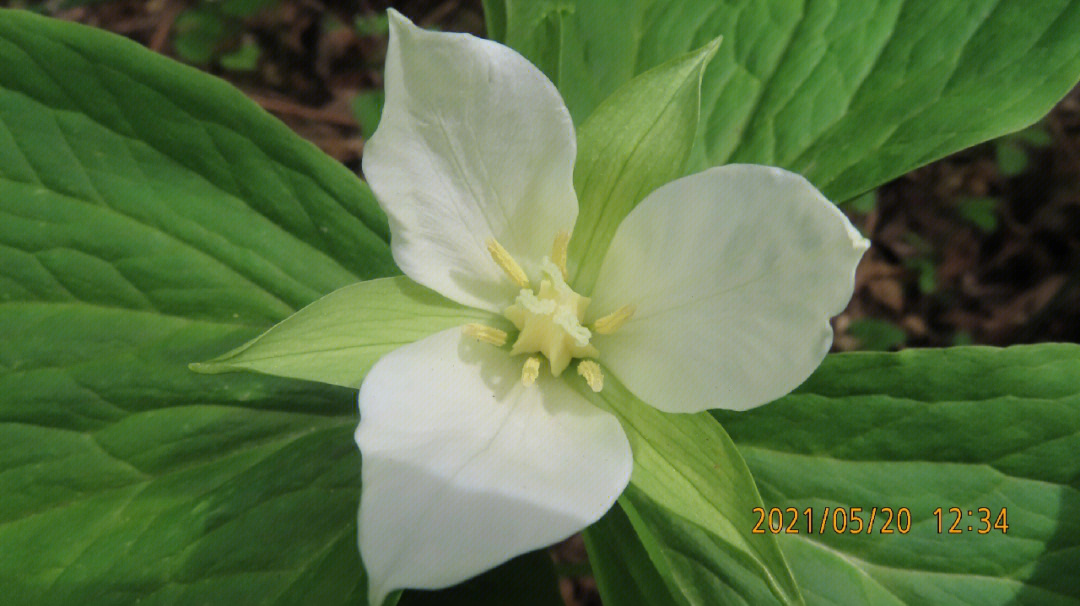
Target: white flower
column 715, row 293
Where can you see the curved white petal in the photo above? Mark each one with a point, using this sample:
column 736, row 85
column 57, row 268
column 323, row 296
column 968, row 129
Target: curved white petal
column 464, row 467
column 735, row 272
column 474, row 143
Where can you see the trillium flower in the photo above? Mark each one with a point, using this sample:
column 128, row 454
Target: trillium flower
column 479, row 442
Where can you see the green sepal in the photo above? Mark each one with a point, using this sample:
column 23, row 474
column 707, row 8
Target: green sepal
column 636, row 141
column 690, row 494
column 337, row 338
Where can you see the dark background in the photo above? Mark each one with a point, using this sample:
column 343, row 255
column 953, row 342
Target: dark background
column 981, row 247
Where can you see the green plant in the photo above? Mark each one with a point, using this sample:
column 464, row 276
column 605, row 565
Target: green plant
column 154, row 217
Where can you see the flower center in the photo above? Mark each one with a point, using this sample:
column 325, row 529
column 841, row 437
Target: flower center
column 549, row 319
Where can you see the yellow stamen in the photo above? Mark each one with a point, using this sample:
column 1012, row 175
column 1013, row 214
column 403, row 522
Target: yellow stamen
column 558, row 251
column 614, row 320
column 507, row 263
column 592, row 373
column 530, row 371
column 485, row 334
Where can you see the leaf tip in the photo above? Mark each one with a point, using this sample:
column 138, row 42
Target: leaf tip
column 702, row 55
column 208, row 368
column 709, row 50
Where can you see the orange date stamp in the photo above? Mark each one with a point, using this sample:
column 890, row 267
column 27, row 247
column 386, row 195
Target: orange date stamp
column 835, row 520
column 880, row 520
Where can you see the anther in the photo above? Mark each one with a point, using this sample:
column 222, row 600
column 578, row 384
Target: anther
column 530, row 371
column 593, row 375
column 507, row 263
column 558, row 251
column 485, row 334
column 614, row 320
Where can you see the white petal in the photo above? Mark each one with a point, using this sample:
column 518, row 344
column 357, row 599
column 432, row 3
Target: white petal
column 735, row 272
column 464, row 467
column 474, row 143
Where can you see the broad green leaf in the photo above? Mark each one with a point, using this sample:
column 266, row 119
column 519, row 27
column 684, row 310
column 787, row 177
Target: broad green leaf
column 967, row 427
column 636, row 141
column 152, row 217
column 527, row 580
column 129, row 180
column 690, row 496
column 127, row 478
column 337, row 338
column 624, row 573
column 849, row 93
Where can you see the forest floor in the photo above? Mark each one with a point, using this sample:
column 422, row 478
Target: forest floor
column 981, row 247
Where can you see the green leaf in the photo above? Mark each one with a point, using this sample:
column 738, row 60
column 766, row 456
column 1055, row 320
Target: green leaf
column 624, row 573
column 962, row 337
column 372, row 25
column 636, row 141
column 1012, row 158
column 690, row 500
column 495, row 18
column 70, row 3
column 198, row 33
column 876, row 335
column 966, row 427
column 863, row 203
column 527, row 580
column 980, row 212
column 243, row 59
column 245, row 8
column 151, row 217
column 926, row 268
column 846, row 92
column 128, row 478
column 1035, row 135
column 367, row 107
column 337, row 338
column 129, row 180
column 699, row 567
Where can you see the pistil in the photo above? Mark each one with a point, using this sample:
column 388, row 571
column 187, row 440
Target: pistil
column 550, row 321
column 549, row 318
